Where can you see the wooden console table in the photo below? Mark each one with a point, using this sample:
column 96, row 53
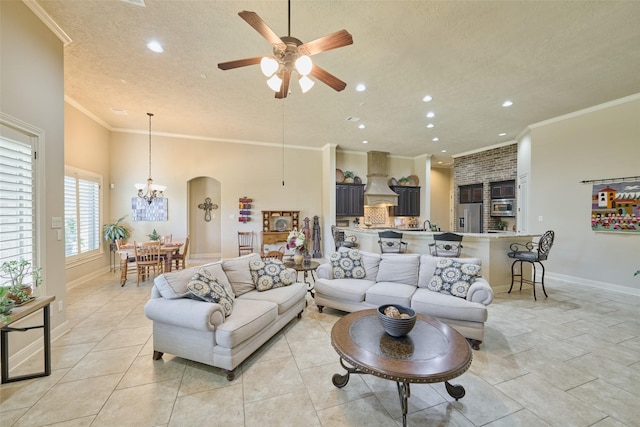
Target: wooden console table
column 20, row 313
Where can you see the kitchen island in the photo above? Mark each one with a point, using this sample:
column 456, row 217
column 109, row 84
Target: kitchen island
column 491, row 248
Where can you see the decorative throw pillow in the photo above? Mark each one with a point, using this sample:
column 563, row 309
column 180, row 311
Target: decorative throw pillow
column 204, row 286
column 347, row 265
column 453, row 277
column 270, row 273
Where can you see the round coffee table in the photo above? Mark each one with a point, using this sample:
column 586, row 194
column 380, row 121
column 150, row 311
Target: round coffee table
column 432, row 352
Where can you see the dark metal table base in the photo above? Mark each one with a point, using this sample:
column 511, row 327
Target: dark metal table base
column 404, row 391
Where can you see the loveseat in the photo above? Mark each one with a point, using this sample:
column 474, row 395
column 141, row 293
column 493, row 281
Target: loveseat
column 251, row 308
column 458, row 295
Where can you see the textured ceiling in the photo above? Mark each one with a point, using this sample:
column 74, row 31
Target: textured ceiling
column 550, row 58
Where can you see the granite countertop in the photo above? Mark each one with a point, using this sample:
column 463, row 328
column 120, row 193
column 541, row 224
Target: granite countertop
column 420, row 232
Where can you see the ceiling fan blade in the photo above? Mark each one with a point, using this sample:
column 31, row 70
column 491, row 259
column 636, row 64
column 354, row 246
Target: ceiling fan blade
column 328, row 42
column 239, row 63
column 327, row 78
column 284, row 88
column 260, row 26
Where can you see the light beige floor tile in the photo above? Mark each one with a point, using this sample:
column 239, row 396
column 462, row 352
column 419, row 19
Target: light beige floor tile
column 145, row 370
column 221, row 407
column 618, row 403
column 80, row 335
column 522, row 418
column 367, row 411
column 323, row 394
column 78, row 422
column 610, row 422
column 8, row 417
column 299, row 411
column 271, row 378
column 276, row 348
column 199, row 377
column 611, row 372
column 306, row 328
column 134, row 320
column 313, row 352
column 148, row 404
column 554, row 406
column 615, row 352
column 104, row 362
column 68, row 401
column 443, row 414
column 495, row 369
column 119, row 338
column 24, row 394
column 105, row 318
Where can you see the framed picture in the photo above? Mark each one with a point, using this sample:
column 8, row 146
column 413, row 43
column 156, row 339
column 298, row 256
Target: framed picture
column 143, row 211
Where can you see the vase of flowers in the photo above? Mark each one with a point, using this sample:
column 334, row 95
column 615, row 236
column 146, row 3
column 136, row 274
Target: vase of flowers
column 297, row 241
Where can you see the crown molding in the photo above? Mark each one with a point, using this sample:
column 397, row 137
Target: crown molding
column 48, row 21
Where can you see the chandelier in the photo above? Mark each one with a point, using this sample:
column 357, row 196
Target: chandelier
column 287, row 58
column 150, row 191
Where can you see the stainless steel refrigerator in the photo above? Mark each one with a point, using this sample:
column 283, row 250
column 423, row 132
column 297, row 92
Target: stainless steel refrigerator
column 470, row 218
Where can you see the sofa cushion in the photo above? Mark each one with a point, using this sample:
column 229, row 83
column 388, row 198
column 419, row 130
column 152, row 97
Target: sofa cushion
column 249, row 317
column 390, row 293
column 173, row 284
column 286, row 296
column 399, row 268
column 270, row 273
column 453, row 277
column 204, row 286
column 351, row 290
column 428, row 267
column 447, row 307
column 347, row 265
column 370, row 261
column 238, row 273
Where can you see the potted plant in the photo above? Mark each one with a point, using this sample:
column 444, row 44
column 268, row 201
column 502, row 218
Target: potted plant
column 16, row 272
column 349, row 177
column 154, row 236
column 502, row 225
column 6, row 304
column 403, row 181
column 115, row 231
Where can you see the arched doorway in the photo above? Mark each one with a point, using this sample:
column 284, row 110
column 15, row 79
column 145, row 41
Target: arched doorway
column 204, row 235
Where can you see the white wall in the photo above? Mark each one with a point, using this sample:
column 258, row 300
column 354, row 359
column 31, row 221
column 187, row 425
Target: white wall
column 602, row 142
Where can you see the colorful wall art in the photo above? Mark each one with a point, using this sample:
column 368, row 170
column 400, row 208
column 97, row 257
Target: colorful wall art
column 615, row 207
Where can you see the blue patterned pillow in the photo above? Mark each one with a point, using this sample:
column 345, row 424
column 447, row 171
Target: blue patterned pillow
column 453, row 277
column 204, row 286
column 347, row 265
column 270, row 273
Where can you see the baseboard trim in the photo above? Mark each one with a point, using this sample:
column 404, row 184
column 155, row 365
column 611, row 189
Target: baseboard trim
column 594, row 284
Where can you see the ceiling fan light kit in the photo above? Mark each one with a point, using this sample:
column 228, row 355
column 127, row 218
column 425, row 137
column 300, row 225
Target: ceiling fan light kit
column 290, row 54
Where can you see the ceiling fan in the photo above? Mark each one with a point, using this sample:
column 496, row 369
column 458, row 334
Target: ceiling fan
column 291, row 54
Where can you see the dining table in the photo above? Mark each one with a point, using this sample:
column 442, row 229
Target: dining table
column 127, row 256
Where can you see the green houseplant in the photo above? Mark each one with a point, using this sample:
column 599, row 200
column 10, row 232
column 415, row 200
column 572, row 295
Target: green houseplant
column 154, row 236
column 349, row 176
column 15, row 273
column 6, row 304
column 403, row 181
column 116, row 230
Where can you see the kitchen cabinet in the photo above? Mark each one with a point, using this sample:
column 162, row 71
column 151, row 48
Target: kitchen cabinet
column 471, row 193
column 408, row 201
column 349, row 199
column 503, row 189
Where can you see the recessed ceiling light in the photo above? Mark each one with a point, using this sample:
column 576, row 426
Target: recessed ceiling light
column 427, row 98
column 431, row 125
column 203, row 76
column 134, row 2
column 155, row 46
column 365, row 142
column 431, row 114
column 123, row 81
column 361, row 126
column 507, row 104
column 502, row 134
column 435, row 139
column 439, row 163
column 443, row 151
column 361, row 87
column 119, row 111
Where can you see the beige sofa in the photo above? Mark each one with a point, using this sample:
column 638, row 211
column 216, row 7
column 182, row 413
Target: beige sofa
column 199, row 331
column 404, row 279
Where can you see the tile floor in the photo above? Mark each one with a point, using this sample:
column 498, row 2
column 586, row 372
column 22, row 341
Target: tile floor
column 570, row 360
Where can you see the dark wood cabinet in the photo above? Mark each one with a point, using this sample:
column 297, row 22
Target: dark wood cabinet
column 503, row 189
column 349, row 199
column 471, row 193
column 408, row 201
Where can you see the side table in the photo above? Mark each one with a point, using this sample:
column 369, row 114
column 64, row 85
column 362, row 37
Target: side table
column 5, row 327
column 307, row 270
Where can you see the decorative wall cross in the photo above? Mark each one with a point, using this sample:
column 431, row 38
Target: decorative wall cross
column 207, row 206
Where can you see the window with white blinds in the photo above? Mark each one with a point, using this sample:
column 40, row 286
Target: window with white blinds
column 81, row 213
column 17, row 211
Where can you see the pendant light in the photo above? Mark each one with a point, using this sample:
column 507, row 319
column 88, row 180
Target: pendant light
column 150, row 191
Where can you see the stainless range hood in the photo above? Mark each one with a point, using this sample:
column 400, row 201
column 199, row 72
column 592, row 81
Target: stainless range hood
column 377, row 191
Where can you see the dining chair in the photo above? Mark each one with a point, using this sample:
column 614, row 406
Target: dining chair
column 245, row 242
column 342, row 240
column 273, row 255
column 166, row 238
column 127, row 261
column 147, row 258
column 532, row 253
column 181, row 257
column 391, row 242
column 446, row 245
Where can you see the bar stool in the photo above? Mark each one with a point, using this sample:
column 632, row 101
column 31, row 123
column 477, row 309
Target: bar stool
column 532, row 253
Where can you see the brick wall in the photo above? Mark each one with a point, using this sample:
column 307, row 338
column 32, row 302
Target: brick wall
column 499, row 164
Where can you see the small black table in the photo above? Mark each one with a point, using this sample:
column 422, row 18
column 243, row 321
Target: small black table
column 307, row 270
column 20, row 313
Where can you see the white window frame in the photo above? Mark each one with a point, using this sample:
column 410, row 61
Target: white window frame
column 70, row 171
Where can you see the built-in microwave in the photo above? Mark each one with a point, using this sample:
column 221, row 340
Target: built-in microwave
column 503, row 207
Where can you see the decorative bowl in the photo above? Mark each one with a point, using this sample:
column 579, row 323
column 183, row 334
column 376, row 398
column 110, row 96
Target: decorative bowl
column 397, row 326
